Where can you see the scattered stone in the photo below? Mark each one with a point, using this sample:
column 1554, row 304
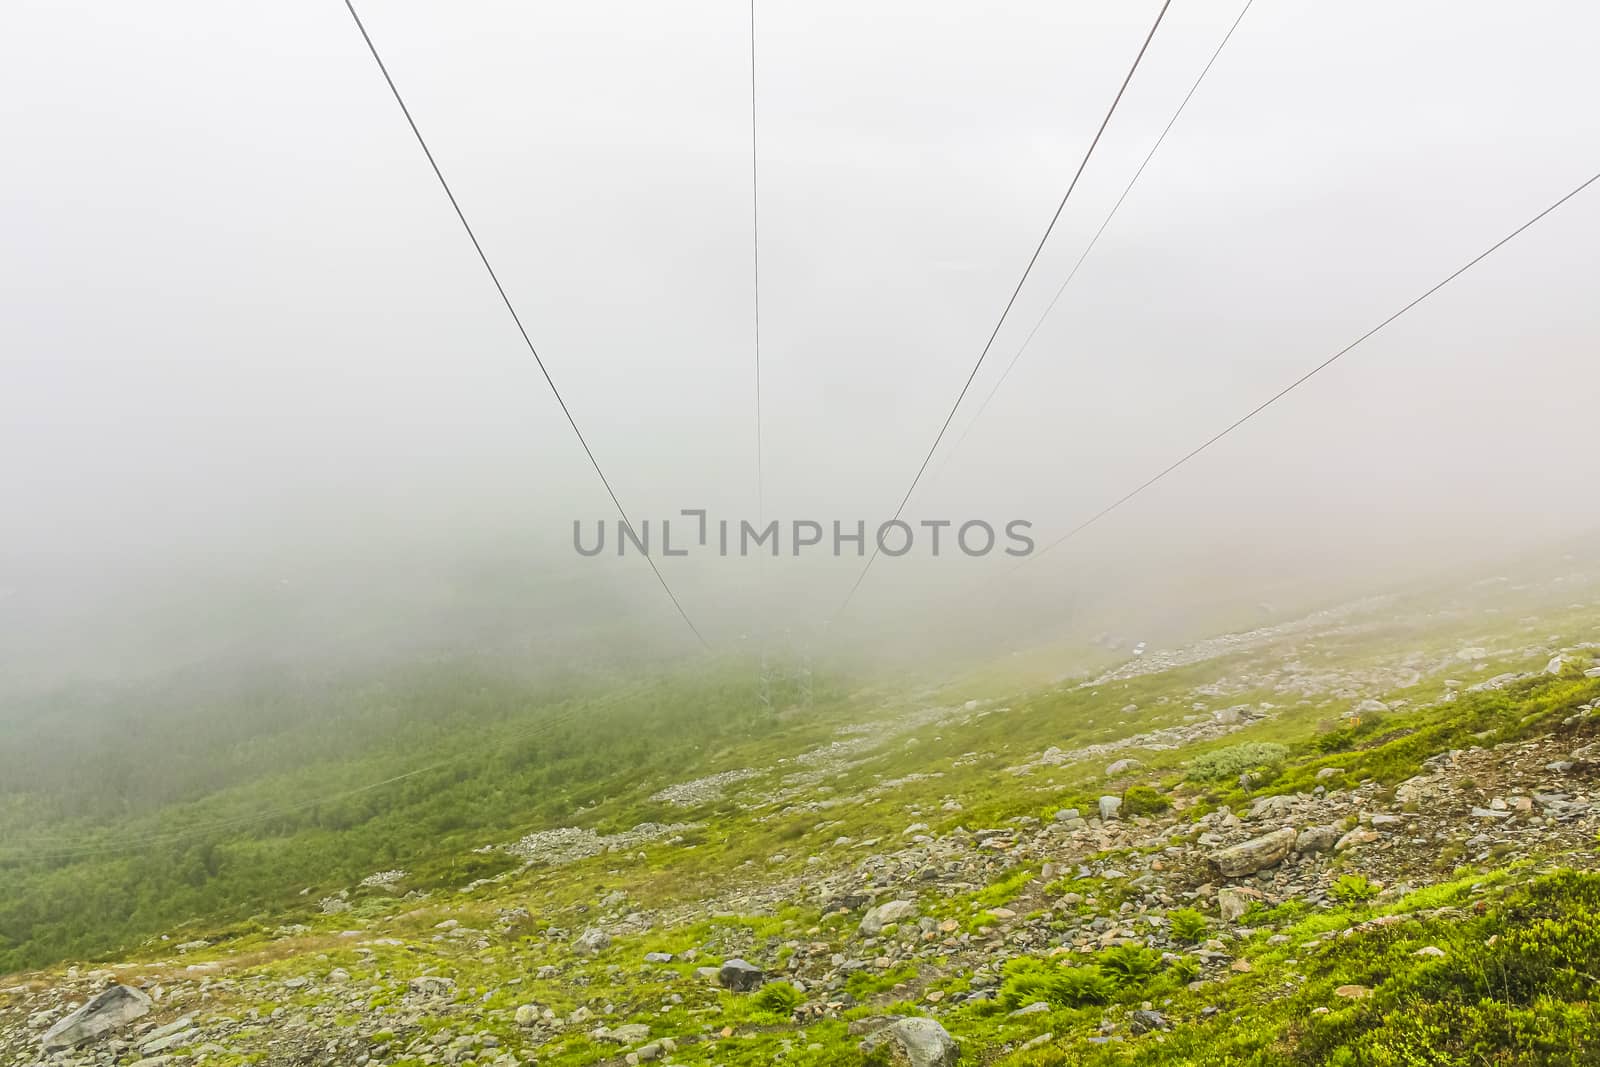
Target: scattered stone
column 431, row 985
column 1144, row 1020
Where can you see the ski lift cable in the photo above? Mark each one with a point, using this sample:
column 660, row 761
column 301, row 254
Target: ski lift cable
column 1060, row 207
column 517, row 319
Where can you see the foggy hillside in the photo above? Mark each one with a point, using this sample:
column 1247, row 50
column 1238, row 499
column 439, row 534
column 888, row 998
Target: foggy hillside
column 820, row 533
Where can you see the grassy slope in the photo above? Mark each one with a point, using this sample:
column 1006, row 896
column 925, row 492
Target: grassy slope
column 1511, row 998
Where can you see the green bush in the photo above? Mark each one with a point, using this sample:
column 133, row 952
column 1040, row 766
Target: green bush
column 1184, row 970
column 1188, row 924
column 1127, row 965
column 1067, row 987
column 1143, row 800
column 778, row 998
column 1352, row 889
column 1030, row 981
column 1116, row 974
column 1077, row 986
column 1258, row 757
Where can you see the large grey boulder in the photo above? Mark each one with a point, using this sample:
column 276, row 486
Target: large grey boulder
column 1271, row 808
column 626, row 1034
column 914, row 1042
column 1109, row 806
column 1420, row 789
column 739, row 976
column 1233, row 904
column 1317, row 839
column 591, row 942
column 431, row 985
column 116, row 1007
column 1254, row 855
column 873, row 922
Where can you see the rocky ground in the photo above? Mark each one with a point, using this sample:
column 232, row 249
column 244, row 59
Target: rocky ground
column 891, row 880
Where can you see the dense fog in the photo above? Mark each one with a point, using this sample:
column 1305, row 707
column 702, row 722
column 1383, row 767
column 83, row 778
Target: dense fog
column 261, row 402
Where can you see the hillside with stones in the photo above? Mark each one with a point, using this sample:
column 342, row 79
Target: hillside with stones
column 1364, row 836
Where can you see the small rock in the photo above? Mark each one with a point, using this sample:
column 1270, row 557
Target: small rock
column 626, row 1034
column 1143, row 1020
column 873, row 922
column 1356, row 838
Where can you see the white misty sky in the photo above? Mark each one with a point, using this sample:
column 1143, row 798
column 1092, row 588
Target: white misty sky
column 238, row 314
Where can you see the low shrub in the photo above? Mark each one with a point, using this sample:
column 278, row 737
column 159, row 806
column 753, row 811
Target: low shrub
column 1263, row 758
column 1188, row 924
column 1143, row 800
